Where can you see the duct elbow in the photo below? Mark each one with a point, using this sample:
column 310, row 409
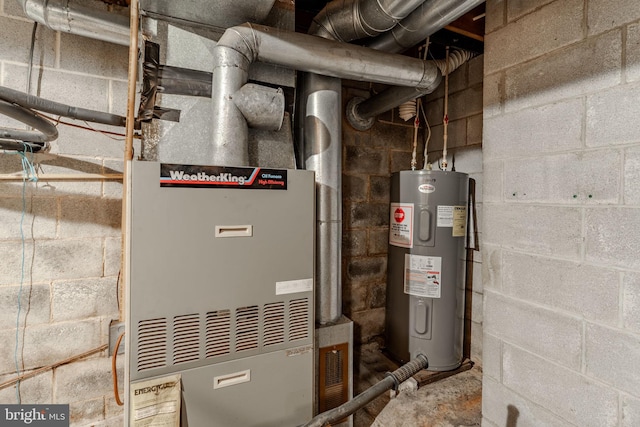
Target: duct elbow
column 243, row 39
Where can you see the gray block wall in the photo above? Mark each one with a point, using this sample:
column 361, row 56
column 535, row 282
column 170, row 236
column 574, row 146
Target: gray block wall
column 561, row 215
column 60, row 242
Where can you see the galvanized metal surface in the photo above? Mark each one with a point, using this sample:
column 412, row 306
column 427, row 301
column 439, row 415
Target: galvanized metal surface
column 214, row 13
column 430, row 17
column 87, row 18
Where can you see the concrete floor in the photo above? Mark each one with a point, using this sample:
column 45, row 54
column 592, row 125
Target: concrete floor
column 455, row 401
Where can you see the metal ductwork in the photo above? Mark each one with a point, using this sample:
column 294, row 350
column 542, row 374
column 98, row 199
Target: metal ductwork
column 432, row 16
column 241, row 45
column 320, row 138
column 361, row 112
column 87, row 18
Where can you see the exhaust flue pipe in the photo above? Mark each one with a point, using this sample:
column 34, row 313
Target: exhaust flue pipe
column 319, row 135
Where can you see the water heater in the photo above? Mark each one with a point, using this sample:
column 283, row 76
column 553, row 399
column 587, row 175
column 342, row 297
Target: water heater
column 425, row 290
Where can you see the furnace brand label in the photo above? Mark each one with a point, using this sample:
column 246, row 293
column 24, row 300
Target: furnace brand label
column 172, row 175
column 401, row 225
column 423, row 276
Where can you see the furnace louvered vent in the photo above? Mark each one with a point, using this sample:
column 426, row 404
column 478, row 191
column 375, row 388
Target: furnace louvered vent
column 152, row 344
column 221, row 333
column 186, row 338
column 247, row 322
column 298, row 319
column 218, row 333
column 273, row 321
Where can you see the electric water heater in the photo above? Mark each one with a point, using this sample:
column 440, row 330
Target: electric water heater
column 425, row 289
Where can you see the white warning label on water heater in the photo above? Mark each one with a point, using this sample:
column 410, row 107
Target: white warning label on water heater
column 401, row 225
column 423, row 276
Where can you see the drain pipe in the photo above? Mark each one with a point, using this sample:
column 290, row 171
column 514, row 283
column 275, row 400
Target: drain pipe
column 87, row 18
column 432, row 16
column 319, row 135
column 241, row 45
column 392, row 380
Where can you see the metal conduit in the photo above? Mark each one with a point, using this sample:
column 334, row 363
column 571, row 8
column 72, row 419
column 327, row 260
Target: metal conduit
column 319, row 135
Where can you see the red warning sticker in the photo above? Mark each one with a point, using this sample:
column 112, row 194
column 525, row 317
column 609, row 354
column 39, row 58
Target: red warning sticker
column 401, row 225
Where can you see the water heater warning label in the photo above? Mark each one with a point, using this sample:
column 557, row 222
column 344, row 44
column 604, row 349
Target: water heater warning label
column 401, row 225
column 423, row 276
column 454, row 217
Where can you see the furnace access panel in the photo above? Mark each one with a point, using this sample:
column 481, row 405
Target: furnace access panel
column 220, row 291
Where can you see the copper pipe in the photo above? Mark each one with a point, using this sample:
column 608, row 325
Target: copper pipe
column 128, row 148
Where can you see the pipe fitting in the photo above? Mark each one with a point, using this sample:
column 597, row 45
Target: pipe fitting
column 261, row 106
column 357, row 121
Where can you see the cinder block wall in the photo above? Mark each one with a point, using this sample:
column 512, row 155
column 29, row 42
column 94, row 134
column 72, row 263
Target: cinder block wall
column 369, row 159
column 561, row 213
column 60, row 240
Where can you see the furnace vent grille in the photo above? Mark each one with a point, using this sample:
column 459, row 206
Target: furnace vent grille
column 273, row 323
column 218, row 334
column 186, row 338
column 298, row 319
column 152, row 344
column 247, row 322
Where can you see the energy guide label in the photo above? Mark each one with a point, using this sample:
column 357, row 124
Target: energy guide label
column 423, row 276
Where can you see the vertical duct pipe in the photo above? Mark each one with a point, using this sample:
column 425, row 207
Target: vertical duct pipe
column 320, row 139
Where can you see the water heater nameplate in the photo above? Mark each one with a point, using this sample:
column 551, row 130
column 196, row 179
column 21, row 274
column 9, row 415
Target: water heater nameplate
column 423, row 276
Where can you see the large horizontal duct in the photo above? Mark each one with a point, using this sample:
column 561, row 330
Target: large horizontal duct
column 241, row 45
column 87, row 18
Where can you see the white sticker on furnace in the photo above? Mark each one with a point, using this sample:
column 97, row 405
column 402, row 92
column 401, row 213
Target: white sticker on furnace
column 423, row 276
column 294, row 286
column 401, row 225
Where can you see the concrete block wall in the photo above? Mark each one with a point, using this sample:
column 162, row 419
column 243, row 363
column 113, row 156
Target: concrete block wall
column 561, row 214
column 369, row 159
column 60, row 240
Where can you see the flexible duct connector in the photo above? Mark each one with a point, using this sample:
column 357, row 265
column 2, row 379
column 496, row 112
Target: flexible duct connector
column 392, row 380
column 87, row 18
column 457, row 57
